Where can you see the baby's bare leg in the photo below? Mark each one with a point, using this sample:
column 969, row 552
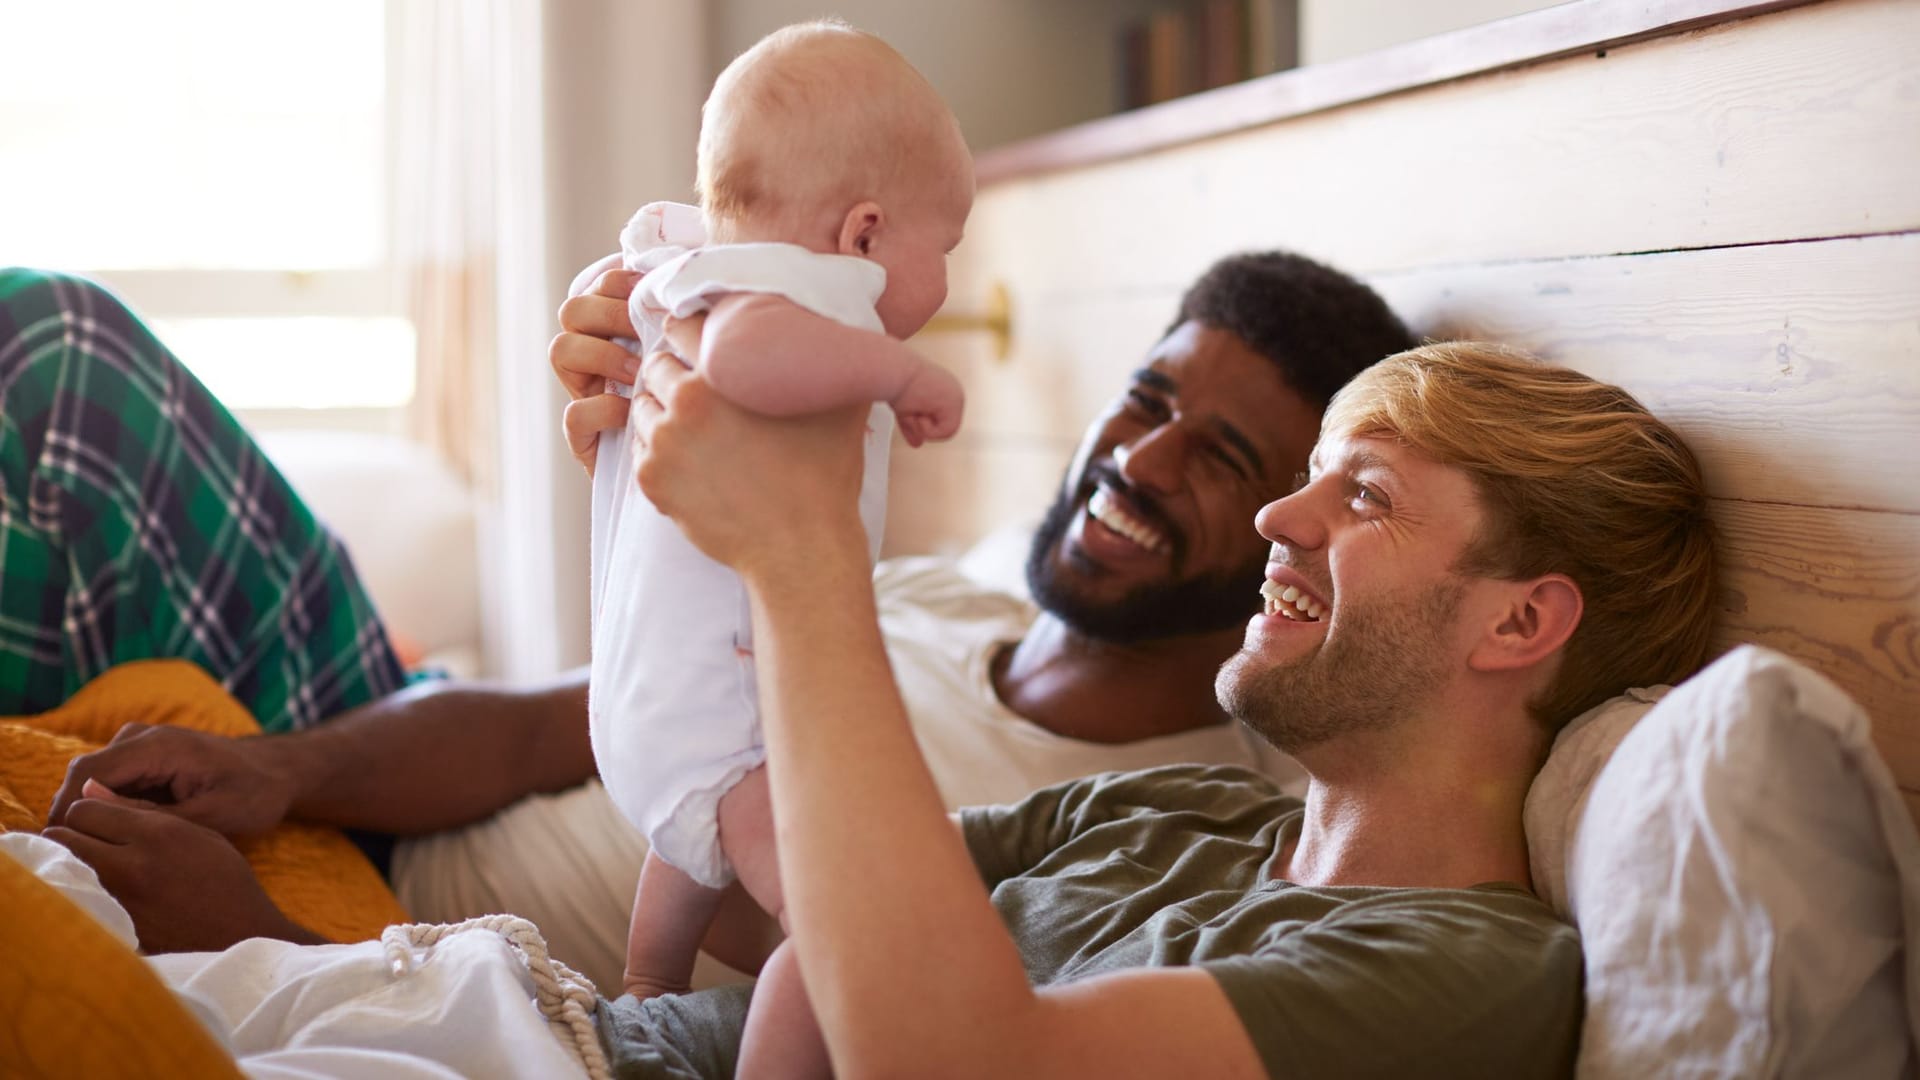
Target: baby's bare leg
column 671, row 912
column 746, row 836
column 782, row 1039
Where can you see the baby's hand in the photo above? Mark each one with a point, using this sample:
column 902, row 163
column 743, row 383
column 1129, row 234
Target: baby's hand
column 929, row 407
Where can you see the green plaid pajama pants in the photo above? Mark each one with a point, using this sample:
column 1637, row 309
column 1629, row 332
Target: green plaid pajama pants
column 138, row 520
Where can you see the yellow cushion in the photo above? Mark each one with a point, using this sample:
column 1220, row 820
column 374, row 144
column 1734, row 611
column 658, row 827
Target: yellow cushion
column 77, row 1002
column 314, row 874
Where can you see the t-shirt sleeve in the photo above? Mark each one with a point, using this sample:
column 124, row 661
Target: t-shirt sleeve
column 1474, row 983
column 1010, row 840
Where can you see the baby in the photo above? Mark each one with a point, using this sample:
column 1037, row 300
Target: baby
column 833, row 182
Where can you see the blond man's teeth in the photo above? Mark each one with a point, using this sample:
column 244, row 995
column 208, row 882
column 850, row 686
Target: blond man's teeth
column 1289, row 602
column 1107, row 511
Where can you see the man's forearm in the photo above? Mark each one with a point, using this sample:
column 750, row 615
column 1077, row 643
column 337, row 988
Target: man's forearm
column 871, row 866
column 873, row 871
column 437, row 755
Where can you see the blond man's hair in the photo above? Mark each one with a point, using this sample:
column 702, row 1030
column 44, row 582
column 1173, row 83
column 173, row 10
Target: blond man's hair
column 1574, row 477
column 814, row 112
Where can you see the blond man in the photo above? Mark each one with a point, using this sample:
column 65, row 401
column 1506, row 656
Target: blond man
column 1444, row 590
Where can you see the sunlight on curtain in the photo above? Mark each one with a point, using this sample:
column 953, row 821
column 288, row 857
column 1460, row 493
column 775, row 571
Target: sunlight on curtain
column 446, row 218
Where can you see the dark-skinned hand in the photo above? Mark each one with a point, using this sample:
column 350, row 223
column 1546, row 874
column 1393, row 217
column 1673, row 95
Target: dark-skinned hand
column 186, row 887
column 228, row 785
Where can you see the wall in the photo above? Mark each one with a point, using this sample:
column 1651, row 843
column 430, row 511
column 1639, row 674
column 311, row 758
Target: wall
column 1009, row 68
column 1015, row 68
column 622, row 118
column 1336, row 29
column 603, row 156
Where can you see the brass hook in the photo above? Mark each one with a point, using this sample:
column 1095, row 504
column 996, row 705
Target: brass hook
column 996, row 320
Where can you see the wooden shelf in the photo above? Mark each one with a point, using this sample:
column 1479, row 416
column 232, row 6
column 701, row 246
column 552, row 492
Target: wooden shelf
column 1563, row 30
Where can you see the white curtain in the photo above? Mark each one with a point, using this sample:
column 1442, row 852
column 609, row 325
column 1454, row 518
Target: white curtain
column 468, row 232
column 520, row 147
column 446, row 219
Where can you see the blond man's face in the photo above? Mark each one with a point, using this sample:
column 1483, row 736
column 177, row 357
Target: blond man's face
column 1365, row 616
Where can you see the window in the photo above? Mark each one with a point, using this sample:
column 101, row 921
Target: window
column 224, row 165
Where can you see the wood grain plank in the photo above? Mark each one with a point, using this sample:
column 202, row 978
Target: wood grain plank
column 941, row 499
column 1788, row 126
column 1068, row 359
column 1840, row 590
column 1793, row 370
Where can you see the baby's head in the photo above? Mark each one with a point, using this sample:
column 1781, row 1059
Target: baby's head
column 823, row 136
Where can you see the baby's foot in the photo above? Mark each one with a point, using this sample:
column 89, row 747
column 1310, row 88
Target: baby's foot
column 647, row 986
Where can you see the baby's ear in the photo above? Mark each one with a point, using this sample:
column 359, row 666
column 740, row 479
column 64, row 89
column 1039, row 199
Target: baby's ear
column 860, row 229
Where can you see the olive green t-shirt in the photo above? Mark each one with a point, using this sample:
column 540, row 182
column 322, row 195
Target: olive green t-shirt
column 1172, row 866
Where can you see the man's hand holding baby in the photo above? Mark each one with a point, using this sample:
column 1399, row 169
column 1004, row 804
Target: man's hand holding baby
column 584, row 359
column 740, row 485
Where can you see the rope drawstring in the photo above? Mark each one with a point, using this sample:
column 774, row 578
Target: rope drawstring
column 565, row 996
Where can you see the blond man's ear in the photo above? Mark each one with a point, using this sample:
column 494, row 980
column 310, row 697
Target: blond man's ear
column 1532, row 623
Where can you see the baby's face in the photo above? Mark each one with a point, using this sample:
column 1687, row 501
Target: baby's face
column 914, row 252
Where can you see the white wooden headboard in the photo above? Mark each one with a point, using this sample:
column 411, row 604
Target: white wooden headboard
column 1714, row 205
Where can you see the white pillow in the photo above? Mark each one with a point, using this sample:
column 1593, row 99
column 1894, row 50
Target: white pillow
column 1559, row 793
column 1745, row 878
column 409, row 526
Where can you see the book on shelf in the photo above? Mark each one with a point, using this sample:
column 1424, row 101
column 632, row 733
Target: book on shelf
column 1131, row 69
column 1169, row 74
column 1222, row 39
column 1195, row 45
column 1273, row 36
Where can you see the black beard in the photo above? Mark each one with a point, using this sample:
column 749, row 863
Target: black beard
column 1165, row 609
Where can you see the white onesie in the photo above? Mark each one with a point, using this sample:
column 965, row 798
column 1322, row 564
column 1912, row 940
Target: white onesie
column 672, row 702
